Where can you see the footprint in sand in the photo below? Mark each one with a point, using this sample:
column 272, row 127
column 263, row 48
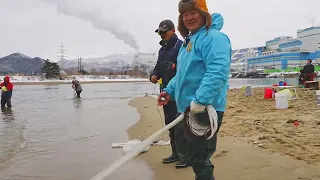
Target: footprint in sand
column 221, row 154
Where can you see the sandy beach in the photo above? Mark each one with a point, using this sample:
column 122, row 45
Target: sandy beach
column 256, row 140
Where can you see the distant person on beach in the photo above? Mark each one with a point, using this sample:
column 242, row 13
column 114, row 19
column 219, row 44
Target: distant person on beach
column 6, row 94
column 307, row 73
column 77, row 87
column 166, row 69
column 201, row 79
column 308, row 68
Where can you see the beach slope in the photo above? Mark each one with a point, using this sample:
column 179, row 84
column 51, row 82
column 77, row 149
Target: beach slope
column 256, row 140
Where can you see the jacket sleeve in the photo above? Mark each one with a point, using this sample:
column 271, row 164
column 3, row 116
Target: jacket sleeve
column 303, row 71
column 171, row 87
column 216, row 54
column 157, row 70
column 176, row 51
column 172, row 83
column 312, row 69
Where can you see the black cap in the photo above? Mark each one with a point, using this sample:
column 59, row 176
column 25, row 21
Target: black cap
column 165, row 25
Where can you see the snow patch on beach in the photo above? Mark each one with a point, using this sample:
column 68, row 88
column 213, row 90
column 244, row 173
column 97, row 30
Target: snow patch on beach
column 82, row 78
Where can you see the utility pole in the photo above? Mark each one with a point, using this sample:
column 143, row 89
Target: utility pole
column 78, row 64
column 62, row 52
column 80, row 67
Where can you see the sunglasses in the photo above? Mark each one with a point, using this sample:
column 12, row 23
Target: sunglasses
column 162, row 32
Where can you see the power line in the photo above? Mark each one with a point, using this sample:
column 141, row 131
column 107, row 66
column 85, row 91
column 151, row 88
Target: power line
column 62, row 52
column 80, row 66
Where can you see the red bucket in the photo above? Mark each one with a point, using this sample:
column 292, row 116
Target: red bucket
column 268, row 93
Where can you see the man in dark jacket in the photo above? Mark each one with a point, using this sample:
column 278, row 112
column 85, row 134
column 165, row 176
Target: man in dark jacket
column 307, row 73
column 166, row 69
column 77, row 87
column 308, row 68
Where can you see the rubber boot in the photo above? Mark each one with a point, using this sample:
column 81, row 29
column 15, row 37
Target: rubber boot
column 9, row 102
column 181, row 164
column 173, row 157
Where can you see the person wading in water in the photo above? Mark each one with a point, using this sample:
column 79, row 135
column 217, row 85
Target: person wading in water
column 77, row 87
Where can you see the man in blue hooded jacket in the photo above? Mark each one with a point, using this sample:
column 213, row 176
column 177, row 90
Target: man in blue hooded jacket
column 166, row 69
column 201, row 78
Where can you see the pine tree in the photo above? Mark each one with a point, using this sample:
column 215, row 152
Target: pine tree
column 51, row 69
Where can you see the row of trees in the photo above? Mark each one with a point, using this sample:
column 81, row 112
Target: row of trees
column 52, row 70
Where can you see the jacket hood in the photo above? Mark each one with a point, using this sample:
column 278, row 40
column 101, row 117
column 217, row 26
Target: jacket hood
column 7, row 78
column 217, row 21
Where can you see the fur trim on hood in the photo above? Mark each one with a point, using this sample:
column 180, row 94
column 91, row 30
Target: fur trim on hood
column 190, row 5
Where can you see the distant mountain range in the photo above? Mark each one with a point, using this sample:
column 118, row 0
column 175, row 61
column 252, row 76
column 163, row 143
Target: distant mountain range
column 19, row 63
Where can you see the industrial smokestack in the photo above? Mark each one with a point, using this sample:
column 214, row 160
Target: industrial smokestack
column 95, row 18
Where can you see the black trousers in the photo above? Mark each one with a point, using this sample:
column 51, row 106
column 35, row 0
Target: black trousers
column 78, row 93
column 170, row 114
column 199, row 151
column 6, row 100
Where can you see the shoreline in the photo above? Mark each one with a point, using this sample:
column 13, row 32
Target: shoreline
column 253, row 131
column 82, row 82
column 148, row 124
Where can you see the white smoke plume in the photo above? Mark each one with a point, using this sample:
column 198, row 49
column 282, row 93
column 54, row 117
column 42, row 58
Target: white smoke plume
column 94, row 16
column 313, row 21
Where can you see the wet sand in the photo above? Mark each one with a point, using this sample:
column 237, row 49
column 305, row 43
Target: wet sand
column 256, row 140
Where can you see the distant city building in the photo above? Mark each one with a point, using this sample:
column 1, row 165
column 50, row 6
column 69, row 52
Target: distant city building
column 279, row 53
column 144, row 61
column 239, row 58
column 288, row 52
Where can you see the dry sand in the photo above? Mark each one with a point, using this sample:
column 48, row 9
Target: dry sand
column 257, row 120
column 256, row 141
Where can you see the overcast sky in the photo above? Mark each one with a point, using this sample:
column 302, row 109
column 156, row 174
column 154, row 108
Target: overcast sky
column 38, row 27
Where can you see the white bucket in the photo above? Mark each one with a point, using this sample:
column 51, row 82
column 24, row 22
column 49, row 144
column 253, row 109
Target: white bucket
column 248, row 91
column 318, row 97
column 282, row 100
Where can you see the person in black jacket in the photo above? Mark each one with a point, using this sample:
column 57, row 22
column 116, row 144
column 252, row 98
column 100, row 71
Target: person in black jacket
column 307, row 73
column 308, row 68
column 166, row 69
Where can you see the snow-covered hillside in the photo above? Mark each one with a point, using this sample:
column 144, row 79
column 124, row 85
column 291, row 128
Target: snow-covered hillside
column 82, row 78
column 112, row 62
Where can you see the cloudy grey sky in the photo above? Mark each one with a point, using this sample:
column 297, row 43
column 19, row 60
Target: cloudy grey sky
column 38, row 27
